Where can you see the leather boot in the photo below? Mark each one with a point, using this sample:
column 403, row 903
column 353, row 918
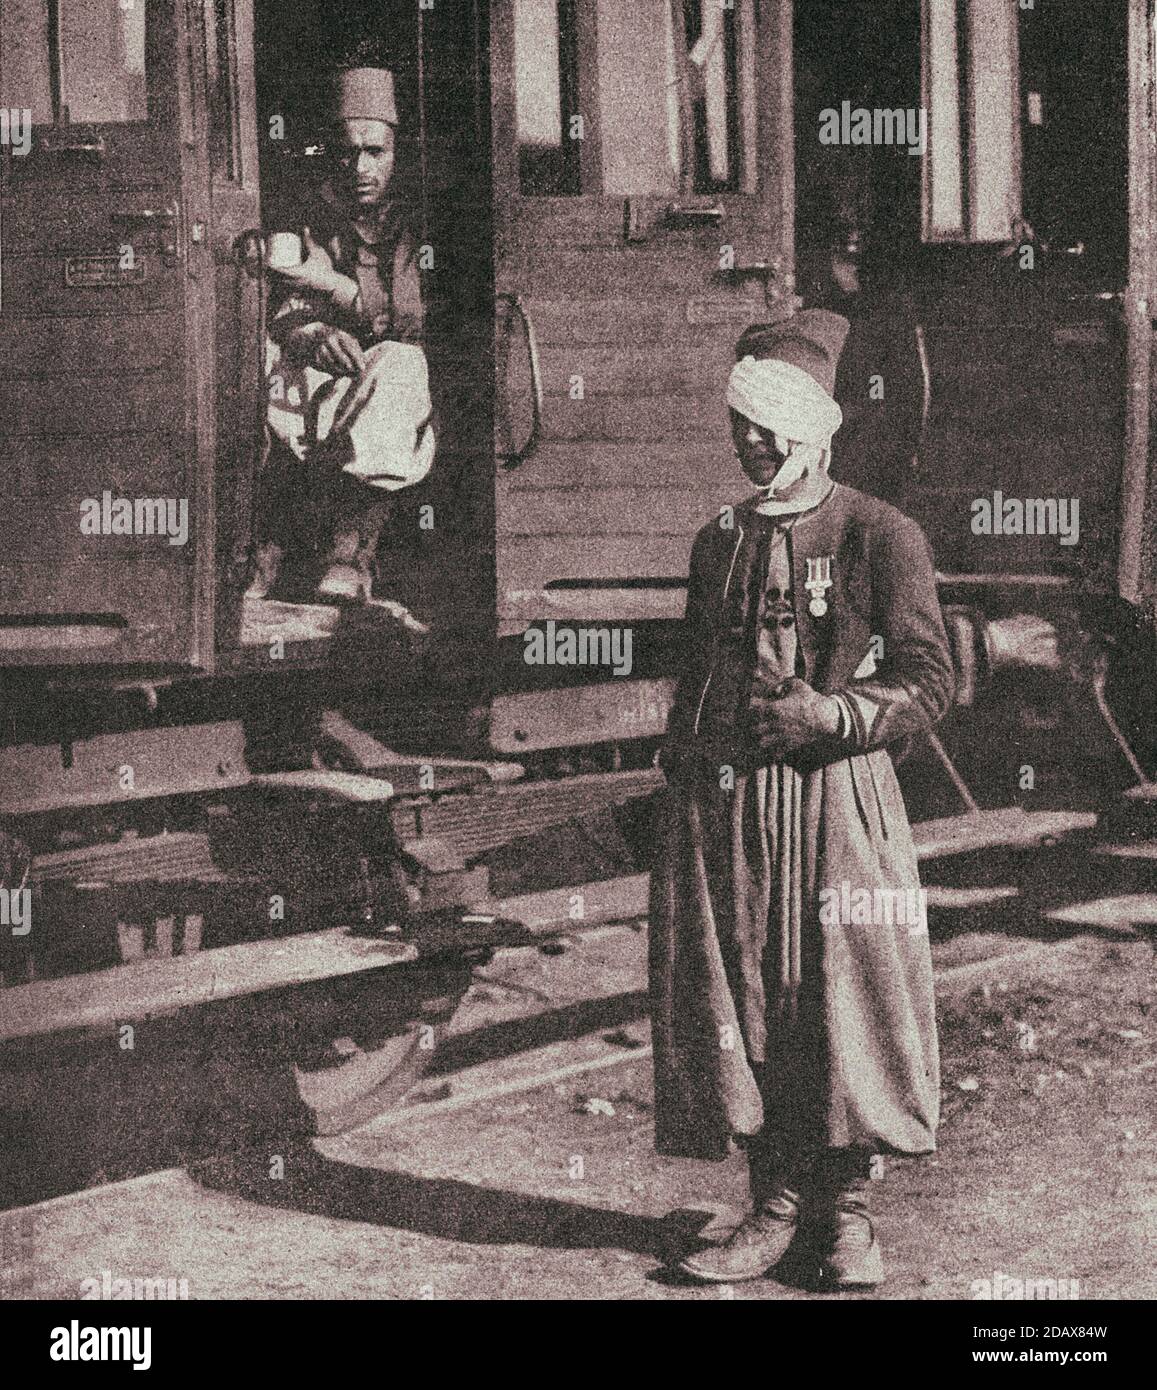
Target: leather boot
column 756, row 1245
column 841, row 1229
column 851, row 1257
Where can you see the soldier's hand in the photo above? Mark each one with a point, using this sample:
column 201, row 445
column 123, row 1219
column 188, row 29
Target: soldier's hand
column 793, row 716
column 339, row 353
column 316, row 272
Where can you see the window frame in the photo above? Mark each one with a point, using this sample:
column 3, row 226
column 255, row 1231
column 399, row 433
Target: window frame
column 973, row 226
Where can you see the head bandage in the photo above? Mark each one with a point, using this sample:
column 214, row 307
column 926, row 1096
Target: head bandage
column 783, row 398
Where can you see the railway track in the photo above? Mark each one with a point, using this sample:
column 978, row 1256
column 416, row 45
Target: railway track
column 484, row 1065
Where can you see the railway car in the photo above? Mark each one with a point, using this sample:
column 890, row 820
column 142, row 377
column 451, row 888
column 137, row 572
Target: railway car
column 607, row 192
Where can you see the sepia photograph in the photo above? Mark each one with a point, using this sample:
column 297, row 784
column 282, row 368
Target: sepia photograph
column 578, row 648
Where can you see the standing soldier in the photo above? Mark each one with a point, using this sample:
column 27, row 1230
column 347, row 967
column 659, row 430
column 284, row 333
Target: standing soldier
column 349, row 395
column 814, row 641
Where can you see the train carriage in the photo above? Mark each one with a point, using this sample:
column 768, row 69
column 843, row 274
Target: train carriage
column 606, row 194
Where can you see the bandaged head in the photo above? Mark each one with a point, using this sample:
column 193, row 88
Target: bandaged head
column 785, row 376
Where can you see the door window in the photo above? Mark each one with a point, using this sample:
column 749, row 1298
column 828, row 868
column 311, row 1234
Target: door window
column 972, row 189
column 663, row 90
column 78, row 61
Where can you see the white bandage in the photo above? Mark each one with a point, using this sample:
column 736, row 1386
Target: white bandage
column 784, row 398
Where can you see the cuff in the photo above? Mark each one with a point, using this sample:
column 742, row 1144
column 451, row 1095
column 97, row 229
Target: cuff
column 345, row 293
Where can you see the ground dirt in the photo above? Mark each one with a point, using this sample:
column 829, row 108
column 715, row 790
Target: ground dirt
column 1046, row 1168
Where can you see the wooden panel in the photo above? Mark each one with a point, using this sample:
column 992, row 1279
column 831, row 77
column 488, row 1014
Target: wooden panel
column 145, row 465
column 564, row 464
column 62, row 347
column 612, row 511
column 152, row 591
column 697, row 368
column 624, row 321
column 599, row 274
column 91, row 405
column 599, row 222
column 103, row 998
column 528, row 562
column 640, row 417
column 29, row 527
column 43, row 221
column 34, row 286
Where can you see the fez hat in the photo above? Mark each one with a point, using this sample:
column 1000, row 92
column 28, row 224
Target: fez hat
column 812, row 340
column 365, row 94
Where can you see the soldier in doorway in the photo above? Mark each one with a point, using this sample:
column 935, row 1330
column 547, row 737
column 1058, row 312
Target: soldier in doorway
column 349, row 401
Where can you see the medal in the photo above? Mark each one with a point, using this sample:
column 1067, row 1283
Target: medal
column 818, row 582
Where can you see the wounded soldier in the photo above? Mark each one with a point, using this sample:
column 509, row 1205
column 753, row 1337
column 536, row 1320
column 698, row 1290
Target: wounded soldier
column 349, row 407
column 804, row 1031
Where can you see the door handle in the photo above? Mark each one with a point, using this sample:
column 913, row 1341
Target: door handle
column 519, row 456
column 91, row 146
column 694, row 214
column 925, row 398
column 249, row 252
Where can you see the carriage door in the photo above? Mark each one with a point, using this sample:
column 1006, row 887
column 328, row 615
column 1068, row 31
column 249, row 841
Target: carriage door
column 643, row 159
column 106, row 411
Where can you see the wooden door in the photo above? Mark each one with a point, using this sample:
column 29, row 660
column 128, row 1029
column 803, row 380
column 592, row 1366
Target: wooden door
column 106, row 525
column 644, row 192
column 222, row 45
column 1137, row 558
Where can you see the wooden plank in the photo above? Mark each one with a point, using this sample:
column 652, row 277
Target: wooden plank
column 50, row 219
column 149, row 464
column 612, row 709
column 572, row 465
column 1010, row 827
column 165, row 762
column 492, row 817
column 693, row 368
column 105, row 998
column 615, row 320
column 641, row 272
column 591, row 606
column 96, row 404
column 34, row 288
column 66, row 347
column 607, row 511
column 526, row 563
column 597, row 221
column 675, row 417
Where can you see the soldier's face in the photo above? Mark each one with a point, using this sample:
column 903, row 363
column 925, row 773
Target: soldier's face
column 761, row 452
column 365, row 160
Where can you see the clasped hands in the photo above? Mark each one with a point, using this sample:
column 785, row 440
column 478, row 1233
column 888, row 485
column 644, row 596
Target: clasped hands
column 792, row 716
